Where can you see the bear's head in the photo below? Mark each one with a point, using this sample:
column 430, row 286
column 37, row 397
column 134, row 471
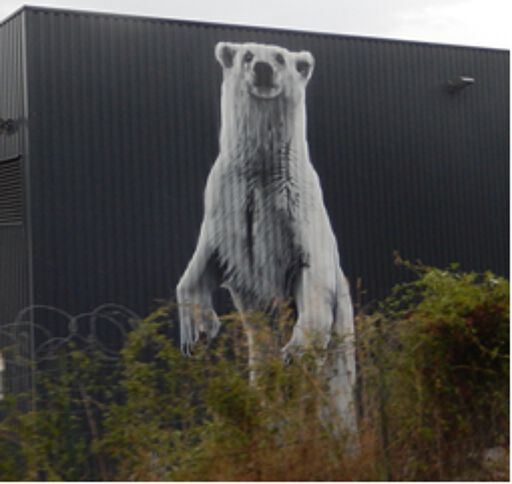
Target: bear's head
column 264, row 72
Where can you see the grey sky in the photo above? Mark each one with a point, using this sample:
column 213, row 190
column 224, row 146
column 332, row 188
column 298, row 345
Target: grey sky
column 470, row 22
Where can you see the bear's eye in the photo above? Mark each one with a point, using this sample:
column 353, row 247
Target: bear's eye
column 280, row 59
column 248, row 56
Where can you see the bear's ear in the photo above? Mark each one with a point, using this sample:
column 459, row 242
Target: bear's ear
column 304, row 63
column 225, row 53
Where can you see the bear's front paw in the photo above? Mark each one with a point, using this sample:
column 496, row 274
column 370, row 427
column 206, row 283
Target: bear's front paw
column 313, row 345
column 211, row 324
column 196, row 320
column 293, row 349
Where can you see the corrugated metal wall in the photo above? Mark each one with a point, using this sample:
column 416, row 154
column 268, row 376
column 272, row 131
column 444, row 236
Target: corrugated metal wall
column 124, row 117
column 14, row 289
column 14, row 240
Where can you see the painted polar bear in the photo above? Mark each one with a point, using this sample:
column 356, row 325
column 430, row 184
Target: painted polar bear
column 266, row 235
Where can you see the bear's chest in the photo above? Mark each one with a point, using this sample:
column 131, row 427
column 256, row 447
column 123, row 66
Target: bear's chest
column 259, row 243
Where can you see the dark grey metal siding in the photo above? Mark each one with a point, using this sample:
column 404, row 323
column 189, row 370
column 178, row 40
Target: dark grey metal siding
column 11, row 82
column 13, row 267
column 124, row 116
column 14, row 279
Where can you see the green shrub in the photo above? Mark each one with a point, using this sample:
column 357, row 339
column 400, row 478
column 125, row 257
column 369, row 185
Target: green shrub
column 434, row 361
column 432, row 393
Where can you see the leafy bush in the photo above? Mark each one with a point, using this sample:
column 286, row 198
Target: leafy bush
column 432, row 394
column 199, row 418
column 434, row 361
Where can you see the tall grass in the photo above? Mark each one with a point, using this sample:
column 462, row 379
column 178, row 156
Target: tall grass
column 432, row 397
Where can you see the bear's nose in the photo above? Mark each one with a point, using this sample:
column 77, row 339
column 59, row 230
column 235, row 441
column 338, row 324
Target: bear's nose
column 263, row 73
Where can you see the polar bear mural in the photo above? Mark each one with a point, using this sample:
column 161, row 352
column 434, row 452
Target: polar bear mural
column 266, row 235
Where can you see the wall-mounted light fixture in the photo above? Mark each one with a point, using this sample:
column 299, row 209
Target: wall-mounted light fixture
column 460, row 82
column 7, row 126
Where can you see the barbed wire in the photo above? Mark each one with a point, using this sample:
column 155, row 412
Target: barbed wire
column 82, row 327
column 49, row 350
column 82, row 335
column 90, row 320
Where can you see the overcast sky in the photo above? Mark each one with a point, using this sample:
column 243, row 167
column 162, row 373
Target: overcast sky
column 484, row 23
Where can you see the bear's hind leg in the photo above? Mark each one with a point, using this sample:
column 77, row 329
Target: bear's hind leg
column 340, row 366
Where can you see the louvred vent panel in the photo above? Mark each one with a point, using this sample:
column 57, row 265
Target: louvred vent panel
column 11, row 197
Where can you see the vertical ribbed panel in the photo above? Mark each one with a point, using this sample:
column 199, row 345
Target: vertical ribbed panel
column 11, row 84
column 13, row 272
column 124, row 126
column 13, row 244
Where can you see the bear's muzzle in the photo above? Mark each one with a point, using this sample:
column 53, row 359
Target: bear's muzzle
column 263, row 75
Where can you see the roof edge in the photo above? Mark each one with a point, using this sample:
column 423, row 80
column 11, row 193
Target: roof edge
column 206, row 23
column 12, row 15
